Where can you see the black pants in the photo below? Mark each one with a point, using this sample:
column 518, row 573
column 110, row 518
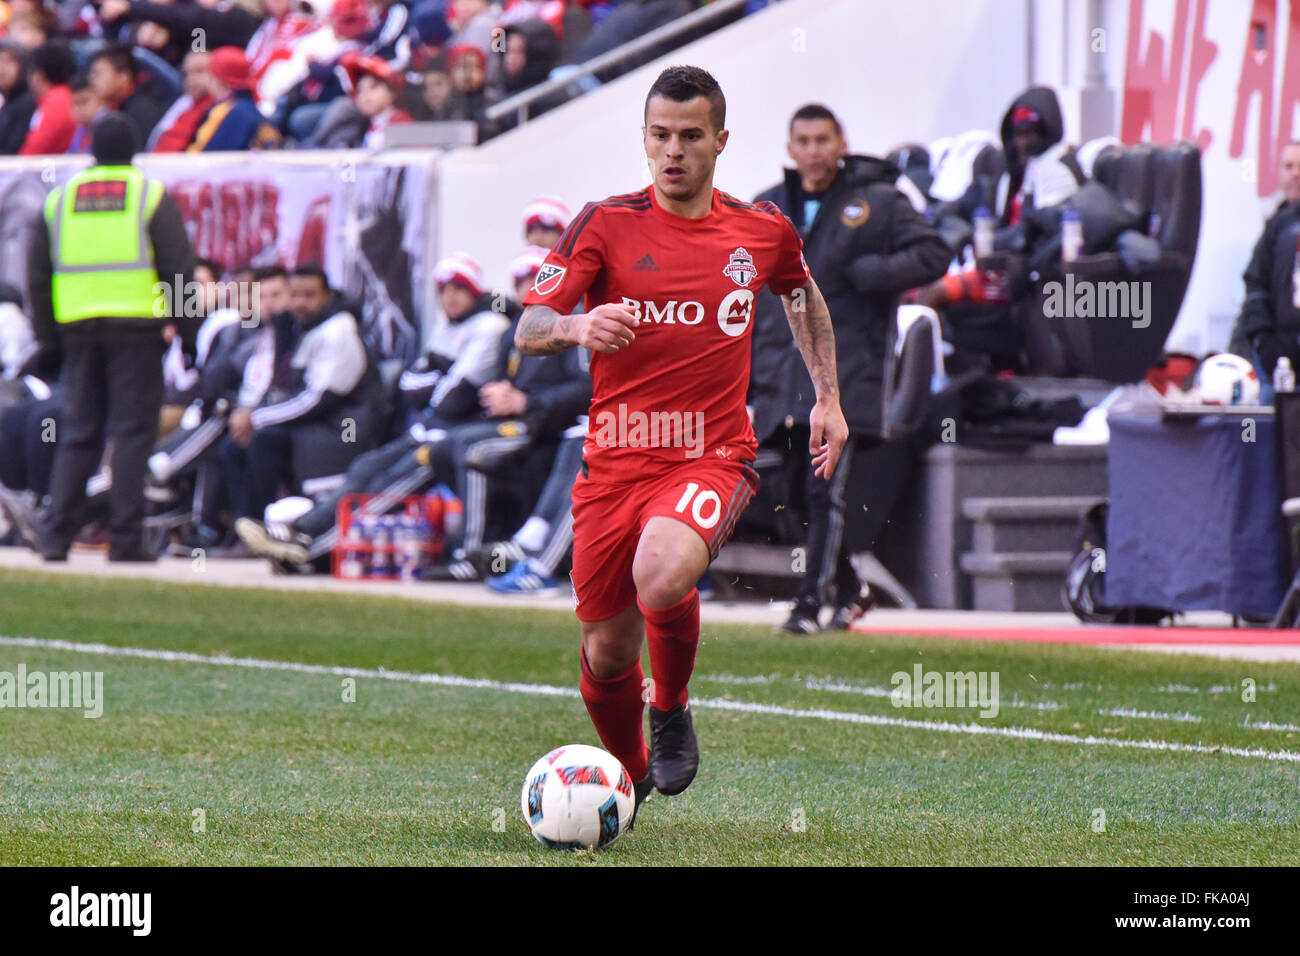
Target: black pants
column 281, row 456
column 114, row 390
column 847, row 513
column 26, row 445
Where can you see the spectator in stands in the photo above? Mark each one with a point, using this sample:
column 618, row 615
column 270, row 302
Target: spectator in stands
column 532, row 52
column 86, row 108
column 1269, row 325
column 469, row 97
column 545, row 218
column 112, row 74
column 473, row 23
column 218, row 22
column 319, row 412
column 361, row 118
column 28, row 30
column 53, row 124
column 461, row 353
column 389, row 38
column 304, row 85
column 274, row 39
column 375, row 86
column 234, row 121
column 866, row 245
column 630, row 20
column 18, row 102
column 180, row 124
column 431, row 101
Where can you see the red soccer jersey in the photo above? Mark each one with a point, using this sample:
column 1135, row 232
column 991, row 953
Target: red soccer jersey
column 677, row 393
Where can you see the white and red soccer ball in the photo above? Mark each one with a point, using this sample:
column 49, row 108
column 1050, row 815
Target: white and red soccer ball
column 577, row 797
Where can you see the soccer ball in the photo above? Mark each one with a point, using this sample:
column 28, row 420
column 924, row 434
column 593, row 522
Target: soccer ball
column 1226, row 379
column 577, row 797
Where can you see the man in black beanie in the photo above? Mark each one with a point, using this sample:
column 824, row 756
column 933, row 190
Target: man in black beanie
column 108, row 264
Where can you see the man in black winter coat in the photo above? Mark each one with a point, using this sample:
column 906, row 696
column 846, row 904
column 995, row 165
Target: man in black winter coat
column 1269, row 325
column 866, row 245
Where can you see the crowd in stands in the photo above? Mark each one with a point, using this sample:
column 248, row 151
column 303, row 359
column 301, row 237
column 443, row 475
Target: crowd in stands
column 205, row 75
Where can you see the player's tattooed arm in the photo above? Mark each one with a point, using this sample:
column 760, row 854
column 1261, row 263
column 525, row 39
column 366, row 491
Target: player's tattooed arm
column 606, row 328
column 810, row 321
column 543, row 331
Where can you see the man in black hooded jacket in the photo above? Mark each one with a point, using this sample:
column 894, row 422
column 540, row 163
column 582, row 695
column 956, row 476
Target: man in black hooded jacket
column 866, row 245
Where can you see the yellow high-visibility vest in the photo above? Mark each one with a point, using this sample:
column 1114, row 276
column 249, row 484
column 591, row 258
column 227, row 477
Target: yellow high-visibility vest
column 99, row 244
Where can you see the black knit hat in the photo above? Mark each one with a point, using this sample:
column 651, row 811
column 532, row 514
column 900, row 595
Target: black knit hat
column 113, row 140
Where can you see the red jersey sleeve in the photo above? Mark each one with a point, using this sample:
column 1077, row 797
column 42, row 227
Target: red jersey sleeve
column 572, row 266
column 791, row 268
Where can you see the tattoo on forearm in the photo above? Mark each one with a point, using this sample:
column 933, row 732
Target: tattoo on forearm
column 542, row 331
column 815, row 337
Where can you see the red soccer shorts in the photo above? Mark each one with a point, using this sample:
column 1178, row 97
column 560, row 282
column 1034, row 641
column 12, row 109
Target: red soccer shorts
column 608, row 518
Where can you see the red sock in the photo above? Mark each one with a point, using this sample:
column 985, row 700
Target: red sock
column 672, row 634
column 617, row 710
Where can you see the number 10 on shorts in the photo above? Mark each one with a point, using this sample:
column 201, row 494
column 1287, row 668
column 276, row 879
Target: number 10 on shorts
column 704, row 500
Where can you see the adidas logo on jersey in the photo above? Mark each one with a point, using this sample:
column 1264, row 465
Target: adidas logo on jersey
column 646, row 264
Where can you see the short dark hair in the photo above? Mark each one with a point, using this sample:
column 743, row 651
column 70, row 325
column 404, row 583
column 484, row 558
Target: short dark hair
column 119, row 57
column 681, row 84
column 263, row 273
column 208, row 264
column 435, row 64
column 79, row 82
column 815, row 111
column 312, row 270
column 54, row 61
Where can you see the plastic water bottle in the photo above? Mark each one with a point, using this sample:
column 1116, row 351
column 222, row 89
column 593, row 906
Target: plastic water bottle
column 353, row 564
column 1283, row 376
column 1071, row 235
column 983, row 223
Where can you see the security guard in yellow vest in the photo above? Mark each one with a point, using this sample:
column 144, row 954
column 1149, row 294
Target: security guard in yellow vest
column 108, row 238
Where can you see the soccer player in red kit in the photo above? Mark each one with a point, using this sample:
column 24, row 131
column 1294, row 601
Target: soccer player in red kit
column 671, row 271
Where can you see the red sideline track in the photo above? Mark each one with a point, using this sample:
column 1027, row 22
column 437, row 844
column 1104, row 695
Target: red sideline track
column 1096, row 635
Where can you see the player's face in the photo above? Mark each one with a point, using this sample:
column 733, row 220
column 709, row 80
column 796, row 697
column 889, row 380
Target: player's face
column 682, row 146
column 1290, row 172
column 816, row 149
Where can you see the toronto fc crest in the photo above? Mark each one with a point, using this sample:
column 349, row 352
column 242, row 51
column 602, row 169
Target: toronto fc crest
column 740, row 268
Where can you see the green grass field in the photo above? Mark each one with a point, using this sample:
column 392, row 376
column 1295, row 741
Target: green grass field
column 286, row 772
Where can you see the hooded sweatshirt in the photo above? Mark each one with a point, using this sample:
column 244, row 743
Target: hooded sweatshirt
column 1048, row 179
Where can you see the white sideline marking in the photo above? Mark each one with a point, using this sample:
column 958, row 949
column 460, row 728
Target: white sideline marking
column 549, row 690
column 1149, row 715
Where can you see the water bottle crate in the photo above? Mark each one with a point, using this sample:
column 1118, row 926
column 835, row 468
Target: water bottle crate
column 387, row 538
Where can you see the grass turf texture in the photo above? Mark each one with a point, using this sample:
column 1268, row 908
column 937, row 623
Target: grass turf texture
column 288, row 773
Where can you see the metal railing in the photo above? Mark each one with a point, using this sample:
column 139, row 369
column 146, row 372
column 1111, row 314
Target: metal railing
column 521, row 101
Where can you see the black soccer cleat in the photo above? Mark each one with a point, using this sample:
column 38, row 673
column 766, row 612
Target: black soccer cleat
column 641, row 791
column 846, row 614
column 802, row 619
column 674, row 751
